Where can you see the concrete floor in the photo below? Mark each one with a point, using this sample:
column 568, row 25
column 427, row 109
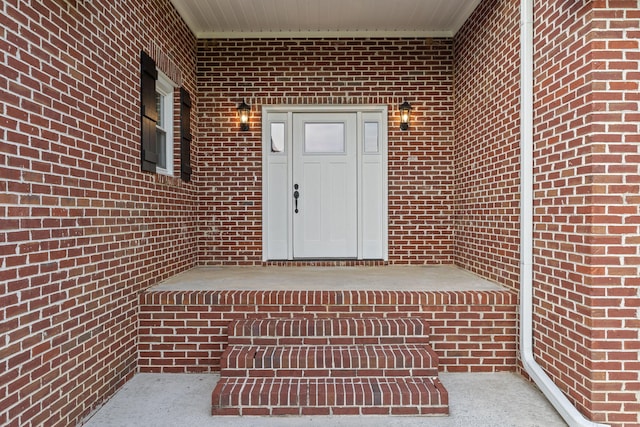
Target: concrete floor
column 184, row 400
column 394, row 278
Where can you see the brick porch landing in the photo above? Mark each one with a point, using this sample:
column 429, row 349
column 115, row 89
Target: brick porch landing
column 184, row 321
column 322, row 278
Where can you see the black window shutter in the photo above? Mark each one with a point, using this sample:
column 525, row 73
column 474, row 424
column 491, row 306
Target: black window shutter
column 149, row 112
column 185, row 135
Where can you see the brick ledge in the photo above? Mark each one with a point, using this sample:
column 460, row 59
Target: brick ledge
column 346, row 297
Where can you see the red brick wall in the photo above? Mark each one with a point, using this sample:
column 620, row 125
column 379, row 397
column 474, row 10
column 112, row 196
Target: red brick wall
column 562, row 214
column 188, row 331
column 587, row 210
column 82, row 230
column 345, row 71
column 614, row 219
column 586, row 258
column 487, row 141
column 586, row 185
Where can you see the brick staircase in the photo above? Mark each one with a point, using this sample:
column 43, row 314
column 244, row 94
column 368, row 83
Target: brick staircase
column 329, row 367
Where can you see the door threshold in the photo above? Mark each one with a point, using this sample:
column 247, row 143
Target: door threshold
column 341, row 262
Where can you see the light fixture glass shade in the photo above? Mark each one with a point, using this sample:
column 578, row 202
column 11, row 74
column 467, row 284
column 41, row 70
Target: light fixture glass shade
column 405, row 115
column 243, row 114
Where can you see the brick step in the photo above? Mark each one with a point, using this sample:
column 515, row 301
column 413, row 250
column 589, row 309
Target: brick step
column 330, row 396
column 278, row 332
column 332, row 366
column 330, row 361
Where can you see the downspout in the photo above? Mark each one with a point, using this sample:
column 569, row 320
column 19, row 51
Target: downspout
column 566, row 409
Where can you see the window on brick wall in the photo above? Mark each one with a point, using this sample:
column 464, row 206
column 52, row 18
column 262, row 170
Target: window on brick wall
column 157, row 115
column 164, row 125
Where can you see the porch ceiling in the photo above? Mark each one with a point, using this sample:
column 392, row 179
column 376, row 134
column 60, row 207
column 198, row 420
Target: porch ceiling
column 324, row 18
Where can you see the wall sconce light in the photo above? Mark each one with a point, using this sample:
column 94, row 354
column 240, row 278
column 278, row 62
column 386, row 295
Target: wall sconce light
column 243, row 114
column 405, row 115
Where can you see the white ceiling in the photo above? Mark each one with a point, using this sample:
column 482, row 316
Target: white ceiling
column 324, row 18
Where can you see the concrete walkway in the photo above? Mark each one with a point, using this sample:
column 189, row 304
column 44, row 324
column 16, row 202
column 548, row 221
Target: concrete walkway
column 183, row 400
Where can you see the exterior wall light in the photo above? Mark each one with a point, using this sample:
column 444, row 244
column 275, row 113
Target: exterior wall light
column 243, row 114
column 405, row 115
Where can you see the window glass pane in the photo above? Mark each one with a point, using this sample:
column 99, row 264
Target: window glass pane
column 371, row 137
column 164, row 127
column 161, row 148
column 160, row 109
column 277, row 137
column 324, row 138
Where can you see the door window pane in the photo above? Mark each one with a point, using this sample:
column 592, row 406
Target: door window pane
column 370, row 137
column 324, row 138
column 277, row 137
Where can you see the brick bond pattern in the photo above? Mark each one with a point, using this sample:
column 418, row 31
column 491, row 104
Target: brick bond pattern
column 562, row 219
column 587, row 213
column 187, row 331
column 341, row 71
column 586, row 186
column 346, row 367
column 332, row 396
column 303, row 361
column 487, row 143
column 587, row 156
column 82, row 231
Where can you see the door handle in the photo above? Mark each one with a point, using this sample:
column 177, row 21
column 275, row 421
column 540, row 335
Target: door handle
column 296, row 194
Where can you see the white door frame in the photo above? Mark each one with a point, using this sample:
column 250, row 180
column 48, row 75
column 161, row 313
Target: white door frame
column 277, row 181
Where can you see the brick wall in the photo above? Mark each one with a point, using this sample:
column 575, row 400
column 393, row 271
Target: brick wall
column 586, row 186
column 188, row 331
column 586, row 258
column 562, row 212
column 587, row 206
column 487, row 142
column 82, row 231
column 614, row 176
column 345, row 71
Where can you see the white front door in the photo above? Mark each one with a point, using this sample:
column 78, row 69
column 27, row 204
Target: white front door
column 325, row 219
column 336, row 156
